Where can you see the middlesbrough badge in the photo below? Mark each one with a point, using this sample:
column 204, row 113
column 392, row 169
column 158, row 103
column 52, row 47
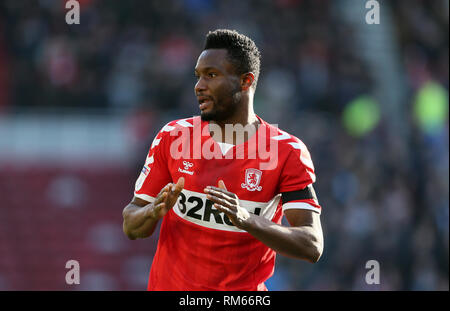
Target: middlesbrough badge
column 252, row 179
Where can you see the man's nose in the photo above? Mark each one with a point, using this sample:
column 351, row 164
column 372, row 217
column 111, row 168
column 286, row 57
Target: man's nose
column 200, row 86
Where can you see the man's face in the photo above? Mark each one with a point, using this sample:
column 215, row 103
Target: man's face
column 218, row 87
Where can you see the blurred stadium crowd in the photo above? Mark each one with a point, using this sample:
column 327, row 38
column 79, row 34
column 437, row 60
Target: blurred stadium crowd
column 384, row 193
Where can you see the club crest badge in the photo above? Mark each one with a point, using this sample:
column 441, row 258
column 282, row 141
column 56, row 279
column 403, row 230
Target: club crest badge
column 252, row 179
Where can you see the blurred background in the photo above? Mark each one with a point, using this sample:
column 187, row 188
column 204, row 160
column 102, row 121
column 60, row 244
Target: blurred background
column 80, row 105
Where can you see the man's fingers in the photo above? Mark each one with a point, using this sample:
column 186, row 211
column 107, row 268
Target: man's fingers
column 160, row 198
column 166, row 197
column 231, row 199
column 173, row 192
column 179, row 185
column 218, row 194
column 158, row 210
column 180, row 182
column 230, row 194
column 165, row 189
column 162, row 195
column 159, row 206
column 220, row 200
column 222, row 185
column 224, row 209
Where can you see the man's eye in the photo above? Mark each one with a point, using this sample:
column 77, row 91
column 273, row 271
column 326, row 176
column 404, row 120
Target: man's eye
column 212, row 74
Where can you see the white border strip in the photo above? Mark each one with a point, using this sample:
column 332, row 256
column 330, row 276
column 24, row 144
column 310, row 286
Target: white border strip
column 268, row 210
column 300, row 205
column 145, row 197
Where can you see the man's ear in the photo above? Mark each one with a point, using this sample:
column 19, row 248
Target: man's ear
column 247, row 80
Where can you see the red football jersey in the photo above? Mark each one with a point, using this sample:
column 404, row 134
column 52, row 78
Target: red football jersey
column 199, row 248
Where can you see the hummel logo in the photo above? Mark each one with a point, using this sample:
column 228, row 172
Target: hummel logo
column 187, row 165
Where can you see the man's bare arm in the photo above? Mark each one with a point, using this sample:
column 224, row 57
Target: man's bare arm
column 303, row 240
column 138, row 219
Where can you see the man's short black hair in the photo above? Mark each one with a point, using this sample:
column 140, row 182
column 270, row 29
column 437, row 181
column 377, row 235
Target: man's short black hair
column 242, row 51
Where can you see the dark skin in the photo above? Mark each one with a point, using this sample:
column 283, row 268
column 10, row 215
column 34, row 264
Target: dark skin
column 227, row 98
column 302, row 240
column 229, row 95
column 140, row 217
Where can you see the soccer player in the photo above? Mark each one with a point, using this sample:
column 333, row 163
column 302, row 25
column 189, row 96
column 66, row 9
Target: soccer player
column 221, row 198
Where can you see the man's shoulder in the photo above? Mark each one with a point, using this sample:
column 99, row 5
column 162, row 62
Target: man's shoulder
column 174, row 127
column 286, row 141
column 173, row 130
column 186, row 123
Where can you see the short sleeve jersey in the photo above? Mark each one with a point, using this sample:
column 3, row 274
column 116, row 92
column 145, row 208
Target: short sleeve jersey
column 199, row 248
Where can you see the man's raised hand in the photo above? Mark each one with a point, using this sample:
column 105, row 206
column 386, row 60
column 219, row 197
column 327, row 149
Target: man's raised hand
column 166, row 199
column 228, row 203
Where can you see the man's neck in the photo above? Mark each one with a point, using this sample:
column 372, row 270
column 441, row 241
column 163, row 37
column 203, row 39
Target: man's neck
column 245, row 115
column 243, row 118
column 238, row 129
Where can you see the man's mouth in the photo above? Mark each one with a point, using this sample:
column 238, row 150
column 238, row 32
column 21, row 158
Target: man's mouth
column 204, row 102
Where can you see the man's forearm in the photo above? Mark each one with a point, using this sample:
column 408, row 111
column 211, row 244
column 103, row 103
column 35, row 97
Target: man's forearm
column 303, row 242
column 138, row 222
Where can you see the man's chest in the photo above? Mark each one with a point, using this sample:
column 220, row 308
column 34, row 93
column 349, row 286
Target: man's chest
column 256, row 190
column 241, row 176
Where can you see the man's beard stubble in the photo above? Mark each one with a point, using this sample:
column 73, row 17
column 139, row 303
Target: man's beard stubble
column 219, row 115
